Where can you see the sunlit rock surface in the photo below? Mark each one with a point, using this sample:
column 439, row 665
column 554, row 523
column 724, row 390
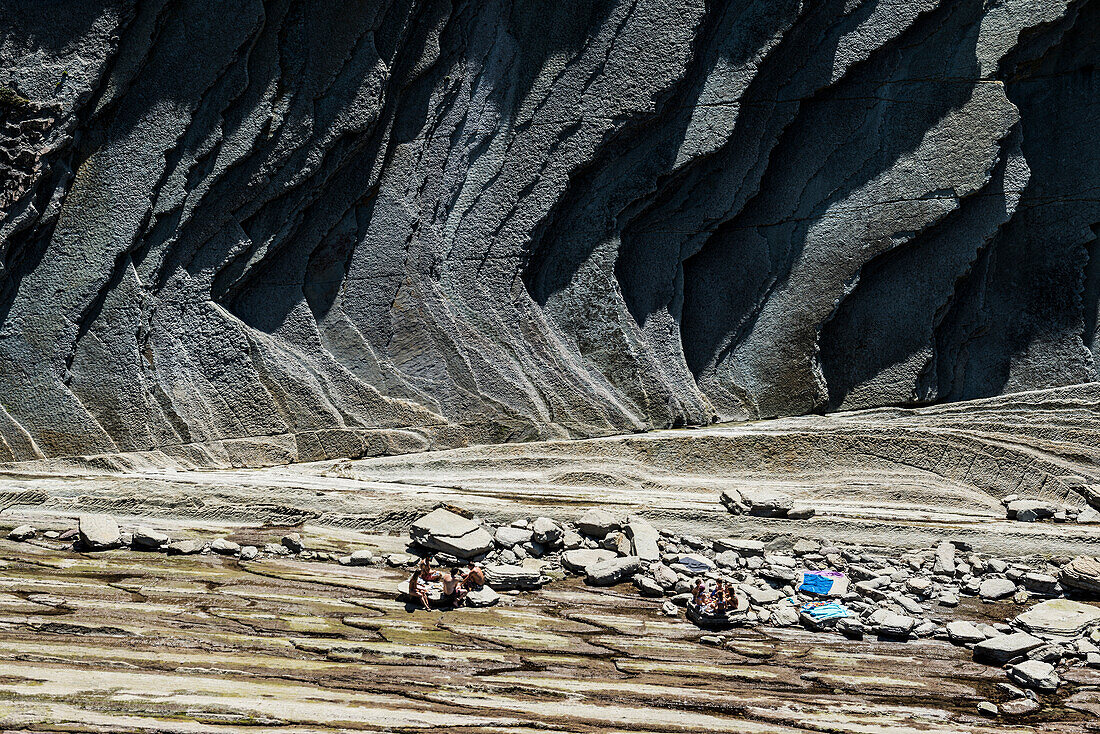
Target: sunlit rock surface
column 311, row 230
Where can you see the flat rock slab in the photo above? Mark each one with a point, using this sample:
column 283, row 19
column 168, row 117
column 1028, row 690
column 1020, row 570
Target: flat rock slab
column 999, row 650
column 448, row 532
column 643, row 538
column 506, row 577
column 1059, row 617
column 613, row 571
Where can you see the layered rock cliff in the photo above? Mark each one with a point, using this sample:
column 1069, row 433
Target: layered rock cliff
column 333, row 228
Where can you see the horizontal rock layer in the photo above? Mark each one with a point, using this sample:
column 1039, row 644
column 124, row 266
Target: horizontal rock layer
column 364, row 228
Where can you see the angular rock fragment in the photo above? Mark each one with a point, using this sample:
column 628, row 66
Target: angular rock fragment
column 225, row 547
column 22, row 533
column 611, row 572
column 1082, row 574
column 1059, row 617
column 597, row 523
column 443, row 530
column 1035, row 674
column 579, row 560
column 1002, row 648
column 643, row 538
column 507, row 577
column 145, row 538
column 98, row 532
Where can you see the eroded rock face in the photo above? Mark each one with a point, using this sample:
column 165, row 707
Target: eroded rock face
column 263, row 233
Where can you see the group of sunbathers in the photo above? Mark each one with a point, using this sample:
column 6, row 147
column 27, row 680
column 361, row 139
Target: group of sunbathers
column 455, row 584
column 718, row 598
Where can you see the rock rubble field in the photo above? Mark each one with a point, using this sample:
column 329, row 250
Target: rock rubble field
column 1030, row 625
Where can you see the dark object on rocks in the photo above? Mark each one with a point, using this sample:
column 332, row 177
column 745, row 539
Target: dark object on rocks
column 293, row 542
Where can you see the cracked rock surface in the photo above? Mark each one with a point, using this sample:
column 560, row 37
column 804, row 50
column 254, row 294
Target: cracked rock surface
column 289, row 231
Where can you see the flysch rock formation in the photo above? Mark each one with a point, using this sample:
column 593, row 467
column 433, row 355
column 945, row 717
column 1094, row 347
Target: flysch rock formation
column 301, row 230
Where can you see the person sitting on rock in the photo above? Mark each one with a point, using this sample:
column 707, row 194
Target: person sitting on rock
column 721, row 598
column 453, row 591
column 698, row 593
column 418, row 589
column 426, row 571
column 474, row 578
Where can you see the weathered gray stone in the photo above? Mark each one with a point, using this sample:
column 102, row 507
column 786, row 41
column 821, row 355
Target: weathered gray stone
column 507, row 537
column 483, row 597
column 739, row 546
column 445, row 531
column 1035, row 674
column 361, row 557
column 98, row 532
column 643, row 538
column 1002, row 648
column 292, row 542
column 546, row 531
column 225, row 547
column 1060, row 617
column 597, row 522
column 580, row 560
column 962, row 632
column 249, row 553
column 22, row 533
column 145, row 538
column 995, row 588
column 1082, row 574
column 183, row 547
column 506, row 577
column 611, row 572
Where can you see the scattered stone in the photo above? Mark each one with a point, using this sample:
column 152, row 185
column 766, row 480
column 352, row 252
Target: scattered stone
column 669, row 609
column 22, row 533
column 1060, row 617
column 964, row 633
column 1088, row 516
column 919, row 585
column 647, row 586
column 891, row 624
column 945, row 559
column 580, row 560
column 597, row 523
column 98, row 532
column 362, row 557
column 225, row 547
column 611, row 572
column 292, row 542
column 993, row 589
column 741, row 547
column 712, row 639
column 801, row 512
column 986, row 708
column 999, row 650
column 507, row 537
column 1035, row 674
column 448, row 532
column 1019, row 707
column 948, row 600
column 249, row 553
column 483, row 597
column 546, row 531
column 183, row 548
column 148, row 539
column 277, row 549
column 1040, row 583
column 664, row 576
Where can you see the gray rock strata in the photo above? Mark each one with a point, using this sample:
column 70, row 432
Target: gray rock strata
column 247, row 233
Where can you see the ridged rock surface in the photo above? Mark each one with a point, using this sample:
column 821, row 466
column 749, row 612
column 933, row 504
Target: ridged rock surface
column 342, row 228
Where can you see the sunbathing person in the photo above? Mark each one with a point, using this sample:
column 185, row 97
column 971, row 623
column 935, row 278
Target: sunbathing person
column 453, row 591
column 418, row 589
column 721, row 598
column 426, row 571
column 474, row 578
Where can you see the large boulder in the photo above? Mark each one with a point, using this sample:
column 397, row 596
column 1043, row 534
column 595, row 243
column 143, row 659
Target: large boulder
column 1082, row 574
column 580, row 559
column 508, row 537
column 546, row 531
column 98, row 532
column 611, row 572
column 643, row 538
column 597, row 523
column 1059, row 617
column 448, row 532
